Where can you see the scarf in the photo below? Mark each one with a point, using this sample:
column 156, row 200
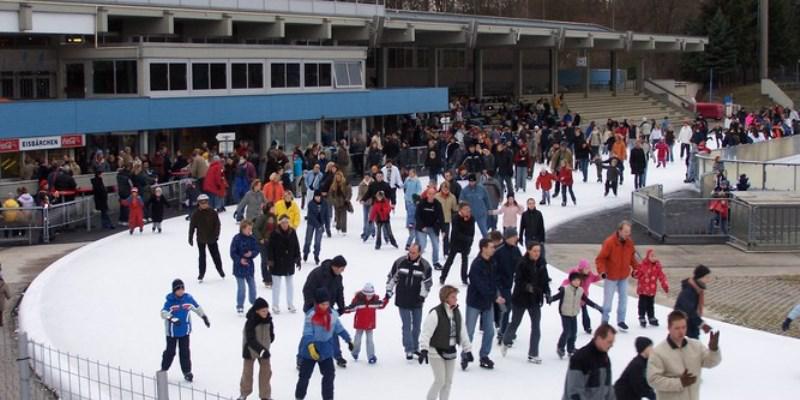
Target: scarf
column 700, row 289
column 321, row 318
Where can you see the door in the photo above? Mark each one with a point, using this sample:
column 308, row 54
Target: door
column 76, row 81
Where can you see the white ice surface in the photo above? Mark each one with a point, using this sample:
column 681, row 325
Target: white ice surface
column 103, row 301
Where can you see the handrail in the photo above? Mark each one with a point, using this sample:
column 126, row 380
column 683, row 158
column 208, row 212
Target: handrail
column 667, row 92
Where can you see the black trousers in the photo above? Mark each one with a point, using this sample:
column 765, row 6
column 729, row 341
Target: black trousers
column 445, row 238
column 646, row 307
column 585, row 320
column 214, row 250
column 611, row 185
column 266, row 276
column 169, row 354
column 449, row 262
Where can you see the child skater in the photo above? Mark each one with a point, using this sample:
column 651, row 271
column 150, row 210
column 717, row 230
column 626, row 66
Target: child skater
column 649, row 274
column 612, row 176
column 569, row 299
column 545, row 182
column 136, row 211
column 156, row 204
column 364, row 304
column 662, row 151
column 565, row 178
column 510, row 211
column 379, row 214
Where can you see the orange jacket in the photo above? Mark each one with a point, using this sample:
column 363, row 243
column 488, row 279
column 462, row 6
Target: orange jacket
column 620, row 150
column 273, row 191
column 616, row 258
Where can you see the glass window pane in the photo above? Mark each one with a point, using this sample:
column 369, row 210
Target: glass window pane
column 177, row 76
column 292, row 136
column 342, row 79
column 293, row 75
column 158, row 76
column 311, row 74
column 26, row 88
column 354, row 71
column 255, row 76
column 103, row 77
column 7, row 88
column 278, row 72
column 238, row 76
column 200, row 76
column 278, row 132
column 325, row 75
column 126, row 77
column 309, row 133
column 218, row 80
column 42, row 88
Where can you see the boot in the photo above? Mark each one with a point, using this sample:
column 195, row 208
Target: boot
column 486, row 363
column 188, row 376
column 642, row 322
column 653, row 322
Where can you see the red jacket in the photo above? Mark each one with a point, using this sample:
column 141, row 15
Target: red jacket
column 662, row 149
column 545, row 181
column 365, row 308
column 719, row 206
column 214, row 182
column 616, row 258
column 136, row 213
column 565, row 176
column 380, row 211
column 648, row 274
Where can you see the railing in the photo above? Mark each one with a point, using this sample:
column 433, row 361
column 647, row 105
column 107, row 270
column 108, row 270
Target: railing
column 84, row 180
column 675, row 100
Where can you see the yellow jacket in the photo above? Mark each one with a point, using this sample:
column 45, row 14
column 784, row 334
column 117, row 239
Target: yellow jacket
column 10, row 215
column 293, row 212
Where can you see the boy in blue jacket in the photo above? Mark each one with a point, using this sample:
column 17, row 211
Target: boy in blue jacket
column 316, row 346
column 244, row 249
column 178, row 326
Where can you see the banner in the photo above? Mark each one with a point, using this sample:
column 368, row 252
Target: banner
column 42, row 143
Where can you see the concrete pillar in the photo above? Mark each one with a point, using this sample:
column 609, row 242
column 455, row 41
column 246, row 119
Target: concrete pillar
column 264, row 138
column 640, row 76
column 477, row 72
column 613, row 67
column 587, row 74
column 144, row 137
column 554, row 71
column 382, row 66
column 433, row 68
column 517, row 68
column 763, row 24
column 319, row 131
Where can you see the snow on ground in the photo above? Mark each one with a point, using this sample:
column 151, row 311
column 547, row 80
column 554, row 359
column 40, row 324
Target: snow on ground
column 103, row 301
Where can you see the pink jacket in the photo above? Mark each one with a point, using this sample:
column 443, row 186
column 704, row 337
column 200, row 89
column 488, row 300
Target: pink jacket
column 586, row 284
column 510, row 214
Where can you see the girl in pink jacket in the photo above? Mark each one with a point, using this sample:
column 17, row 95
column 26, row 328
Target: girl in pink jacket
column 510, row 211
column 589, row 277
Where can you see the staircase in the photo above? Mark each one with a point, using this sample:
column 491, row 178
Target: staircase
column 600, row 106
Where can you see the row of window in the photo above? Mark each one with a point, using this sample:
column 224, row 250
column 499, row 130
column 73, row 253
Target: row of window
column 26, row 84
column 406, row 58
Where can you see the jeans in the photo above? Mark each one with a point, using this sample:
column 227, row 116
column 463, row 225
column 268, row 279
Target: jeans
column 123, row 213
column 422, row 240
column 535, row 313
column 585, row 319
column 442, row 378
column 250, row 281
column 569, row 331
column 647, row 307
column 583, row 165
column 564, row 190
column 412, row 236
column 670, row 156
column 445, row 239
column 610, row 287
column 481, row 220
column 521, row 177
column 501, row 318
column 266, row 276
column 328, row 372
column 330, row 215
column 718, row 220
column 214, row 250
column 357, row 343
column 621, row 169
column 276, row 290
column 412, row 322
column 637, row 181
column 450, row 258
column 691, row 173
column 316, row 234
column 386, row 229
column 487, row 326
column 217, row 202
column 545, row 197
column 368, row 229
column 185, row 354
column 506, row 185
column 685, row 147
column 105, row 220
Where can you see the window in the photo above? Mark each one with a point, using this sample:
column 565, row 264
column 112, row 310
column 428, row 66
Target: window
column 285, row 75
column 317, row 75
column 348, row 74
column 200, row 77
column 207, row 76
column 125, row 77
column 177, row 76
column 400, row 58
column 452, row 58
column 255, row 76
column 165, row 76
column 103, row 77
column 218, row 80
column 7, row 85
column 114, row 77
column 247, row 76
column 424, row 57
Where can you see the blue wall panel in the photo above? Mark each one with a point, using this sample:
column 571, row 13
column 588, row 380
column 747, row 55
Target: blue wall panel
column 55, row 117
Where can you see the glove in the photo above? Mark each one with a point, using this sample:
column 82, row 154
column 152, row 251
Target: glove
column 548, row 298
column 706, row 328
column 191, row 242
column 312, row 351
column 713, row 342
column 687, row 379
column 389, row 294
column 603, row 275
column 205, row 321
column 298, row 265
column 467, row 356
column 423, row 357
column 350, row 346
column 786, row 324
column 175, row 321
column 264, row 354
column 421, row 299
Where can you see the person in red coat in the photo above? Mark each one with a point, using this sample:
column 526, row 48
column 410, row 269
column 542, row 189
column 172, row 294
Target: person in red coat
column 545, row 182
column 379, row 214
column 365, row 304
column 565, row 179
column 215, row 184
column 662, row 151
column 136, row 213
column 649, row 274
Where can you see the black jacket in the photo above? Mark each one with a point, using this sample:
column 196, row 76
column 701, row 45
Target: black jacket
column 64, row 181
column 455, row 188
column 410, row 280
column 124, row 183
column 250, row 338
column 462, row 233
column 284, row 251
column 474, row 163
column 638, row 161
column 100, row 194
column 429, row 215
column 506, row 258
column 531, row 283
column 688, row 300
column 157, row 205
column 374, row 188
column 632, row 384
column 504, row 162
column 323, row 277
column 206, row 223
column 589, row 374
column 531, row 226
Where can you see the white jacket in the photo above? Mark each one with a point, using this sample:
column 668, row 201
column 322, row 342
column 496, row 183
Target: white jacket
column 392, row 177
column 667, row 363
column 685, row 135
column 429, row 326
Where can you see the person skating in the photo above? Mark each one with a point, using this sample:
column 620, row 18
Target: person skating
column 244, row 249
column 206, row 222
column 365, row 303
column 478, row 199
column 612, row 176
column 411, row 220
column 442, row 332
column 565, row 178
column 463, row 232
column 284, row 258
column 510, row 210
column 675, row 366
column 191, row 193
column 289, row 208
column 367, row 229
column 380, row 214
column 531, row 225
column 570, row 299
column 531, row 290
column 316, row 345
column 263, row 227
column 135, row 205
column 178, row 327
column 100, row 194
column 614, row 263
column 544, row 182
column 339, row 197
column 632, row 384
column 691, row 300
column 589, row 372
column 428, row 222
column 316, row 215
column 329, row 277
column 787, row 323
column 649, row 274
column 505, row 258
column 449, row 203
column 251, row 206
column 156, row 203
column 410, row 278
column 257, row 338
column 482, row 293
column 588, row 277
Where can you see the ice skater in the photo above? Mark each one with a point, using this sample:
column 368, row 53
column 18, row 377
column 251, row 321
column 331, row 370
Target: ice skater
column 206, row 222
column 136, row 211
column 258, row 335
column 156, row 204
column 244, row 249
column 365, row 304
column 178, row 327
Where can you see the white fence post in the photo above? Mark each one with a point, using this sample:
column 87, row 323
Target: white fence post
column 24, row 368
column 162, row 386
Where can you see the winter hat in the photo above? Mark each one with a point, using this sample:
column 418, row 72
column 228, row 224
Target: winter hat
column 650, row 252
column 339, row 261
column 473, row 178
column 202, row 197
column 260, row 303
column 583, row 265
column 177, row 284
column 321, row 295
column 701, row 271
column 642, row 343
column 135, row 189
column 368, row 289
column 509, row 233
column 317, row 193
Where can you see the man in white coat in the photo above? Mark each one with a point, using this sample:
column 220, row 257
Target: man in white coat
column 675, row 366
column 393, row 178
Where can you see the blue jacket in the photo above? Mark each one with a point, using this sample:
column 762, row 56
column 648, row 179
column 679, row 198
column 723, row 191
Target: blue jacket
column 482, row 289
column 411, row 187
column 313, row 180
column 505, row 260
column 179, row 308
column 478, row 199
column 240, row 245
column 317, row 214
column 298, row 167
column 320, row 336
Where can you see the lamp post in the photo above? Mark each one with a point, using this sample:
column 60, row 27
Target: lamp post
column 763, row 23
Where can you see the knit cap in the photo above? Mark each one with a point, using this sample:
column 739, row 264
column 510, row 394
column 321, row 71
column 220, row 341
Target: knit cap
column 177, row 284
column 642, row 343
column 260, row 304
column 339, row 261
column 368, row 289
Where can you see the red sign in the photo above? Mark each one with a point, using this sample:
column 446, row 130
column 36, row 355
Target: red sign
column 69, row 141
column 9, row 145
